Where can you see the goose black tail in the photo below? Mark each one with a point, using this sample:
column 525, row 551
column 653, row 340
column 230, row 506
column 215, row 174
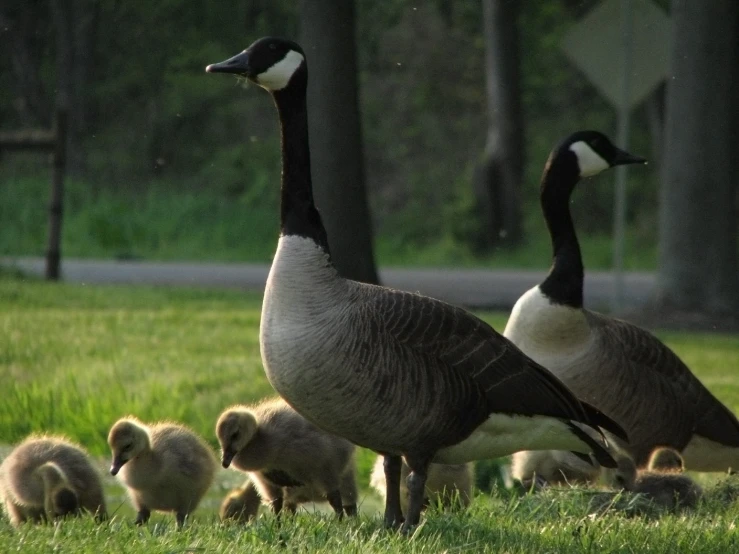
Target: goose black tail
column 600, row 419
column 603, row 457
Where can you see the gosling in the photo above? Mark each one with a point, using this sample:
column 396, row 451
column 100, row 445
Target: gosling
column 539, row 468
column 241, row 505
column 165, row 467
column 45, row 478
column 666, row 460
column 447, row 485
column 671, row 490
column 289, row 459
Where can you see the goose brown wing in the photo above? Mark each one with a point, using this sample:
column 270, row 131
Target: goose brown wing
column 647, row 355
column 453, row 340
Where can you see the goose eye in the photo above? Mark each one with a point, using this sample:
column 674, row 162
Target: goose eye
column 272, row 46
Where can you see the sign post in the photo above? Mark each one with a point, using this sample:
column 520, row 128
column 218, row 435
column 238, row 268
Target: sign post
column 602, row 46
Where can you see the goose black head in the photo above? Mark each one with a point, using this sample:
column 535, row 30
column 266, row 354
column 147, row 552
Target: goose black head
column 270, row 62
column 593, row 152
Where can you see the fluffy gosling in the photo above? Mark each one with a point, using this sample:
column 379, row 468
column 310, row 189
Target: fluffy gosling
column 552, row 467
column 241, row 504
column 446, row 484
column 671, row 491
column 666, row 460
column 289, row 459
column 165, row 466
column 45, row 478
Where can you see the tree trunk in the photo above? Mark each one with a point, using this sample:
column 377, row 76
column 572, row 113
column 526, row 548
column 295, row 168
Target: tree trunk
column 698, row 269
column 87, row 16
column 26, row 56
column 328, row 38
column 499, row 175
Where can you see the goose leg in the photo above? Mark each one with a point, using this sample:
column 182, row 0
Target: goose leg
column 416, row 489
column 143, row 515
column 277, row 505
column 393, row 513
column 350, row 509
column 334, row 498
column 180, row 516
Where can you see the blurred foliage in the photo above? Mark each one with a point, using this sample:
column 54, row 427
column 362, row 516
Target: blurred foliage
column 155, row 120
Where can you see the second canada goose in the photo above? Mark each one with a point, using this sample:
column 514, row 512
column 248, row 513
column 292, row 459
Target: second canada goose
column 446, row 484
column 47, row 477
column 671, row 490
column 396, row 372
column 619, row 368
column 241, row 504
column 283, row 451
column 165, row 466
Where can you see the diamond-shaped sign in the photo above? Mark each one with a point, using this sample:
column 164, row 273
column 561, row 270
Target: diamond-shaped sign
column 595, row 46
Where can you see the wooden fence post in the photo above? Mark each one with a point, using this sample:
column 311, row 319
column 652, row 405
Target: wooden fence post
column 56, row 201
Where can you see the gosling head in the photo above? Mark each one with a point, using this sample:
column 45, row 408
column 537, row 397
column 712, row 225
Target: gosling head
column 666, row 460
column 235, row 429
column 624, row 476
column 60, row 500
column 127, row 439
column 270, row 62
column 591, row 152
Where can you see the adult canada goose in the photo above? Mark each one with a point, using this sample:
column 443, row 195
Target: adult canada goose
column 287, row 456
column 669, row 490
column 47, row 477
column 396, row 372
column 446, row 484
column 165, row 466
column 619, row 368
column 241, row 504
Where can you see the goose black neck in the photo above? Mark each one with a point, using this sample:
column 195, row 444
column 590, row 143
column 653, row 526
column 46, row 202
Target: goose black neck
column 298, row 213
column 564, row 283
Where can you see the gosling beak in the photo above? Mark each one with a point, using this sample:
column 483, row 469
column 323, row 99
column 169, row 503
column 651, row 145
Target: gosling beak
column 238, row 65
column 115, row 467
column 623, row 158
column 228, row 455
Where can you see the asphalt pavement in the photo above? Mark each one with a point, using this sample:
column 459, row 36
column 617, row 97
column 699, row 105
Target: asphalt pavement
column 478, row 288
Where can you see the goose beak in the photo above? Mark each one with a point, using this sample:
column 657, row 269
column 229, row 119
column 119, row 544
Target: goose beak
column 115, row 467
column 623, row 158
column 238, row 65
column 228, row 455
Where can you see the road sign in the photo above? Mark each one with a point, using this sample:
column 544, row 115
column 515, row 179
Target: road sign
column 595, row 46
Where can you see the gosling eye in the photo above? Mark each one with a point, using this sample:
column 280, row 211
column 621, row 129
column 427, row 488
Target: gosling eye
column 234, row 436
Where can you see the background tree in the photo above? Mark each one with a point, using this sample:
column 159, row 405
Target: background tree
column 500, row 174
column 698, row 268
column 328, row 37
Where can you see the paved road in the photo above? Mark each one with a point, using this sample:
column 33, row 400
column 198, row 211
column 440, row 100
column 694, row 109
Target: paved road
column 479, row 288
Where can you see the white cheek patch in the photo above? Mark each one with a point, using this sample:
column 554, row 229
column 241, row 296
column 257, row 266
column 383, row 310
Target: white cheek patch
column 278, row 76
column 588, row 159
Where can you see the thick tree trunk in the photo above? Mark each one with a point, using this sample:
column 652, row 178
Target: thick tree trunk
column 498, row 178
column 698, row 269
column 328, row 37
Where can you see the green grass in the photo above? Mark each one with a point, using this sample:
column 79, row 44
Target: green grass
column 160, row 222
column 75, row 358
